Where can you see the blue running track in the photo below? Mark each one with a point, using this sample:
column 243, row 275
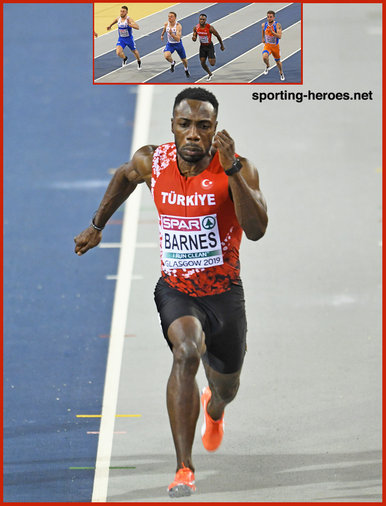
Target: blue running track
column 243, row 40
column 291, row 66
column 236, row 45
column 151, row 42
column 61, row 136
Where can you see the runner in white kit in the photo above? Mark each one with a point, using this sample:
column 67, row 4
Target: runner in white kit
column 173, row 31
column 125, row 32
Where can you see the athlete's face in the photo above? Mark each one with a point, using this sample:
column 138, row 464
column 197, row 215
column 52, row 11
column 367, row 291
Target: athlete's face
column 194, row 125
column 270, row 18
column 171, row 18
column 202, row 20
column 123, row 13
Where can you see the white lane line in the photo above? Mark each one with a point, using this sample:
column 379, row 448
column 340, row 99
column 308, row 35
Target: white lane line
column 186, row 37
column 114, row 277
column 273, row 67
column 255, row 48
column 119, row 244
column 110, row 245
column 121, row 302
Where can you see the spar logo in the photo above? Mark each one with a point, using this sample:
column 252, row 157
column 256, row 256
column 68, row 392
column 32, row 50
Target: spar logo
column 181, row 224
column 208, row 222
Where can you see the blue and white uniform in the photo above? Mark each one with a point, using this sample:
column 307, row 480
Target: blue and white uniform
column 125, row 34
column 173, row 45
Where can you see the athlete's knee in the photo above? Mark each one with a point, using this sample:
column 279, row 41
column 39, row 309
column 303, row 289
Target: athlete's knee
column 212, row 61
column 227, row 390
column 187, row 354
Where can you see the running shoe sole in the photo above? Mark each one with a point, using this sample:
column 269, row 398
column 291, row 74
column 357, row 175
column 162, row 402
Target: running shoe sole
column 181, row 491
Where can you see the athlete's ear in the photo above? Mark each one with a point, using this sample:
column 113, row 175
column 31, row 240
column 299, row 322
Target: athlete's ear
column 215, row 126
column 172, row 125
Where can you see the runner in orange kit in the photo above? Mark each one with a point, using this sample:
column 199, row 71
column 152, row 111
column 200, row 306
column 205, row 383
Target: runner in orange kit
column 206, row 196
column 271, row 34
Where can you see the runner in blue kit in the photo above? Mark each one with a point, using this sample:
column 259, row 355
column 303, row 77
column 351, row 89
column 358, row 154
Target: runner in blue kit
column 125, row 36
column 174, row 42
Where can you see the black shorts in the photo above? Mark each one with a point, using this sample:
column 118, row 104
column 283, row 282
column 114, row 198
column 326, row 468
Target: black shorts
column 207, row 51
column 222, row 317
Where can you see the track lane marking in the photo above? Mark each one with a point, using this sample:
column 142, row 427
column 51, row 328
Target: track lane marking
column 120, row 306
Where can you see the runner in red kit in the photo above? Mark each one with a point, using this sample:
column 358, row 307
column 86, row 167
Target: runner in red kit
column 204, row 31
column 205, row 195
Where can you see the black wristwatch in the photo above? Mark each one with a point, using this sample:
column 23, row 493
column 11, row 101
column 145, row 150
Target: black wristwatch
column 236, row 167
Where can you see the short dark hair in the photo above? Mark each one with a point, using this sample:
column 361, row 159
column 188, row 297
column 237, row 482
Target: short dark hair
column 202, row 14
column 171, row 12
column 196, row 94
column 124, row 7
column 271, row 12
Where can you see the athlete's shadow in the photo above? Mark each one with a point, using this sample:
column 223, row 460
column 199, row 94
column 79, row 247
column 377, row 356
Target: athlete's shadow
column 249, row 474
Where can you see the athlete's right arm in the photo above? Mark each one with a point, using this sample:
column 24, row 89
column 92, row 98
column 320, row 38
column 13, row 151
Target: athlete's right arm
column 262, row 33
column 123, row 183
column 194, row 37
column 163, row 32
column 113, row 23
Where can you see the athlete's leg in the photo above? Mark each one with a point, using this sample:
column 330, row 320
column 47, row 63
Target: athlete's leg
column 119, row 51
column 136, row 54
column 280, row 66
column 266, row 58
column 205, row 66
column 212, row 61
column 183, row 400
column 224, row 388
column 185, row 63
column 168, row 56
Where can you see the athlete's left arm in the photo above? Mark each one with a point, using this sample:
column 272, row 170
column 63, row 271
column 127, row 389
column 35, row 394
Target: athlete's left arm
column 216, row 34
column 249, row 202
column 133, row 24
column 178, row 35
column 279, row 31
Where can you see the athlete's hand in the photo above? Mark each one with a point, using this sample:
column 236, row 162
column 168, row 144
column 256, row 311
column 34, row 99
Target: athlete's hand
column 86, row 240
column 222, row 47
column 225, row 146
column 162, row 37
column 109, row 28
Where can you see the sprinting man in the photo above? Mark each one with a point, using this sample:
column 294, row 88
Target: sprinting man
column 206, row 196
column 173, row 31
column 125, row 36
column 271, row 33
column 204, row 31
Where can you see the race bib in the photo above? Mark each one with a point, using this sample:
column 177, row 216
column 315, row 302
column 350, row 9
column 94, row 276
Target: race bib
column 192, row 242
column 204, row 39
column 123, row 32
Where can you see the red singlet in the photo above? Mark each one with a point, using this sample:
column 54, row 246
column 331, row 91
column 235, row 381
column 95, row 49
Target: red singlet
column 199, row 232
column 204, row 34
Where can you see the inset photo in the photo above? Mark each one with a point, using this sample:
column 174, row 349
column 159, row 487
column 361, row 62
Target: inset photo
column 185, row 43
